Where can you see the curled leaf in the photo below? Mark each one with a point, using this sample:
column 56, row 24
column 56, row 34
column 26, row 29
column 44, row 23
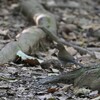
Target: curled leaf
column 28, row 59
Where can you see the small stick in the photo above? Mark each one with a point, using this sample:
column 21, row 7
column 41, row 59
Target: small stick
column 62, row 41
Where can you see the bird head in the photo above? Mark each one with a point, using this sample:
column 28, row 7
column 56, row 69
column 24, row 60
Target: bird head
column 60, row 47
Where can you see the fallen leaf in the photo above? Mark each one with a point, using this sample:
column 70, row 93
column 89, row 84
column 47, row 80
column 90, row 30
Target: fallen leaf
column 97, row 55
column 50, row 74
column 93, row 93
column 46, row 96
column 55, row 70
column 81, row 91
column 28, row 59
column 71, row 50
column 66, row 87
column 52, row 90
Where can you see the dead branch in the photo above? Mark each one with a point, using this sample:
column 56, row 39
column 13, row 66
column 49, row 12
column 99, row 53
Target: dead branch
column 84, row 77
column 28, row 39
column 31, row 36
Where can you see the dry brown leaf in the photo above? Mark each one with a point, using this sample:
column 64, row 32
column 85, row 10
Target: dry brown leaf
column 28, row 59
column 52, row 90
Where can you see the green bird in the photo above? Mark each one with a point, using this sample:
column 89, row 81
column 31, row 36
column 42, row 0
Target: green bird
column 65, row 56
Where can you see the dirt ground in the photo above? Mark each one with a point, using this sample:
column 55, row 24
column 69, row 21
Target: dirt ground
column 78, row 21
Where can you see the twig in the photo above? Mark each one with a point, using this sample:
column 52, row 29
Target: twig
column 6, row 79
column 62, row 41
column 93, row 48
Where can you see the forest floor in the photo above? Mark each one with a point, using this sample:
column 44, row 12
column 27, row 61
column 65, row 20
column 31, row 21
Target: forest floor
column 78, row 22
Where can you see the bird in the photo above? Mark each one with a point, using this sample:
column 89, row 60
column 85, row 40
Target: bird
column 65, row 57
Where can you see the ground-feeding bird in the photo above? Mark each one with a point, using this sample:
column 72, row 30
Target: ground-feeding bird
column 65, row 56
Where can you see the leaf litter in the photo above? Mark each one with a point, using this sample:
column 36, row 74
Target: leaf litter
column 80, row 25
